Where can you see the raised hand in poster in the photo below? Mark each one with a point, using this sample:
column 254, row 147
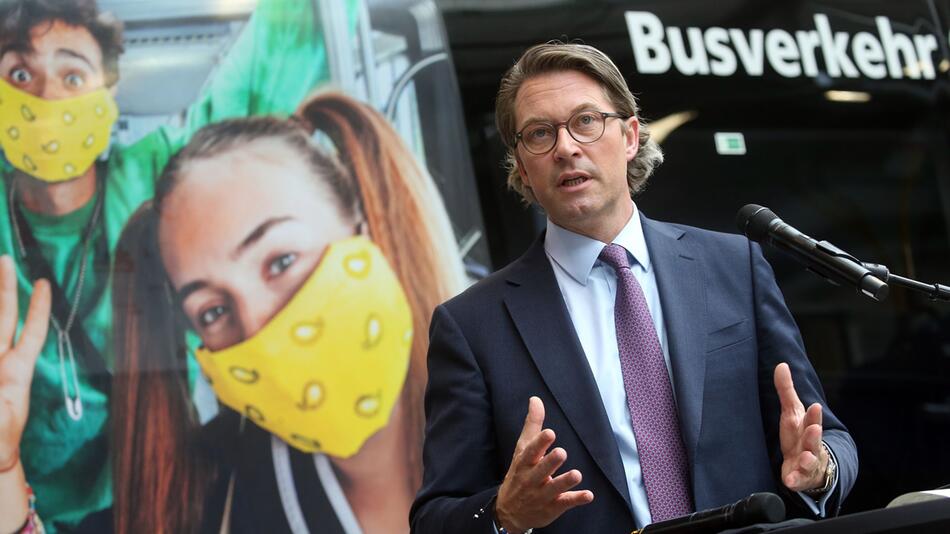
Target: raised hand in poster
column 17, row 359
column 307, row 255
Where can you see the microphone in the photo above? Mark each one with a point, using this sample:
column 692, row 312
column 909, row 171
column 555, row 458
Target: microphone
column 756, row 508
column 820, row 257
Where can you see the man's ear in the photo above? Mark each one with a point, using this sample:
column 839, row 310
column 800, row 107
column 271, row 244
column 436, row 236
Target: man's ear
column 632, row 137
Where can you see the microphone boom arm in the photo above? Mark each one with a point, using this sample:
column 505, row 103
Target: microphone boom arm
column 934, row 291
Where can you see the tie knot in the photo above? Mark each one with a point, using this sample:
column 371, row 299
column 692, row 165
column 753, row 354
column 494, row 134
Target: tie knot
column 615, row 256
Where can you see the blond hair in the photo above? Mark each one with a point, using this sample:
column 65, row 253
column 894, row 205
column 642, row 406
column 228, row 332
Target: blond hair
column 556, row 56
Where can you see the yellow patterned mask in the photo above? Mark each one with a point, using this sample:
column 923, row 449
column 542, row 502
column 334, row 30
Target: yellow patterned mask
column 54, row 140
column 325, row 372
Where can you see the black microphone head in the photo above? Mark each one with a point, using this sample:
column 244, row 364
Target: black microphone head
column 754, row 220
column 760, row 508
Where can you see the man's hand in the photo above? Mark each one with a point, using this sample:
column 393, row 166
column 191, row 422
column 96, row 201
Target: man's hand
column 530, row 497
column 804, row 459
column 18, row 360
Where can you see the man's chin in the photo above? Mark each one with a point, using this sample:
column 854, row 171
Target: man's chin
column 33, row 181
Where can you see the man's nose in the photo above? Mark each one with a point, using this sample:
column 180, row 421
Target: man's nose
column 47, row 89
column 565, row 145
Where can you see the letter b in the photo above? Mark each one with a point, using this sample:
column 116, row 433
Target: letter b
column 646, row 36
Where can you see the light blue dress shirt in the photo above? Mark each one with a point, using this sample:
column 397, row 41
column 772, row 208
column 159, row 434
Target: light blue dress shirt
column 589, row 288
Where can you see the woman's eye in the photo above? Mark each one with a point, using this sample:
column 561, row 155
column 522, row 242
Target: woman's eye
column 280, row 264
column 207, row 317
column 74, row 80
column 21, row 75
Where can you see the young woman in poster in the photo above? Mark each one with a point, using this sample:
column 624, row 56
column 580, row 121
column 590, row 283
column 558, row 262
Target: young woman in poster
column 309, row 278
column 66, row 196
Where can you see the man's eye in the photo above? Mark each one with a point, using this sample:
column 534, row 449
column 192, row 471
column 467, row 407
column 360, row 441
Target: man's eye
column 74, row 80
column 208, row 317
column 585, row 119
column 539, row 133
column 21, row 75
column 281, row 264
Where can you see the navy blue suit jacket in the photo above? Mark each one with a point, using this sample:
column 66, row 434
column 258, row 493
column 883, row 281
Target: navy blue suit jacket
column 510, row 337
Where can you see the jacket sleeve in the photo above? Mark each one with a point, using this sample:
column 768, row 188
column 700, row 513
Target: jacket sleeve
column 278, row 59
column 459, row 455
column 780, row 341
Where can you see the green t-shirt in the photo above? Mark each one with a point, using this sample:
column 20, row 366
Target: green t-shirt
column 279, row 58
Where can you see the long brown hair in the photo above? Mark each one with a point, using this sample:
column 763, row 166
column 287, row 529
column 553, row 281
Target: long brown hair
column 161, row 477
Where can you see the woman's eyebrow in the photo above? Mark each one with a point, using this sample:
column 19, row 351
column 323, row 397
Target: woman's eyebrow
column 256, row 234
column 253, row 237
column 190, row 288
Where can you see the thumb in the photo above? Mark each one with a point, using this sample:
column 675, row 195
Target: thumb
column 534, row 421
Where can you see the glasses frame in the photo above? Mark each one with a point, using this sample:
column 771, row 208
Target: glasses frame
column 557, row 129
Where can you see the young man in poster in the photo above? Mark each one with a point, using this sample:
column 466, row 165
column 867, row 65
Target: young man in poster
column 66, row 196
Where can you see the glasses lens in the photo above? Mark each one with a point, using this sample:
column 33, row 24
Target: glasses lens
column 586, row 126
column 538, row 138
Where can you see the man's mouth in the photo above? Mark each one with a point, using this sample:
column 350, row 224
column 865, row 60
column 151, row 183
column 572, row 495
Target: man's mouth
column 574, row 180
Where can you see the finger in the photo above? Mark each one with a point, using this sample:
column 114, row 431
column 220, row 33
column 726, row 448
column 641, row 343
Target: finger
column 813, row 415
column 36, row 324
column 550, row 463
column 811, row 439
column 793, row 481
column 572, row 499
column 563, row 482
column 8, row 302
column 786, row 389
column 797, row 478
column 534, row 450
column 808, row 463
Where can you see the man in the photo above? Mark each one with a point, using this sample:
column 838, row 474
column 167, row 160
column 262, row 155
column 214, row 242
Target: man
column 656, row 359
column 66, row 196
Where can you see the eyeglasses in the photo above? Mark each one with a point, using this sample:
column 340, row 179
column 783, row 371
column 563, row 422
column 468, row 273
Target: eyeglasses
column 584, row 126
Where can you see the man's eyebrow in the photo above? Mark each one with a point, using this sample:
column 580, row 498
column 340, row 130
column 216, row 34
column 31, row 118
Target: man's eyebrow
column 16, row 48
column 76, row 55
column 580, row 107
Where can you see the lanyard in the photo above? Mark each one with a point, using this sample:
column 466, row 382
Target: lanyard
column 69, row 335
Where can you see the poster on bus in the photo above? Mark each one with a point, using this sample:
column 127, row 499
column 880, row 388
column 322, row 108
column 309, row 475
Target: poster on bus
column 224, row 228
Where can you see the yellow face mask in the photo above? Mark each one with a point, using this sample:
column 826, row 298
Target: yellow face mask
column 325, row 372
column 54, row 140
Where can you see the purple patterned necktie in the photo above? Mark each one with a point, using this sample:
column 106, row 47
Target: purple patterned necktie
column 649, row 396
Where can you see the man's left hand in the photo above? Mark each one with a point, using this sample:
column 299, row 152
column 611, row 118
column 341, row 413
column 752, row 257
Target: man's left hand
column 804, row 459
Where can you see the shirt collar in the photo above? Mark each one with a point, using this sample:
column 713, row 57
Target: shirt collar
column 577, row 254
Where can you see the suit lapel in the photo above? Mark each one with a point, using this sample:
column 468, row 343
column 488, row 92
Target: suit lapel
column 679, row 277
column 540, row 315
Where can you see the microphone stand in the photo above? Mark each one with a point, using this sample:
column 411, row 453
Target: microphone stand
column 934, row 291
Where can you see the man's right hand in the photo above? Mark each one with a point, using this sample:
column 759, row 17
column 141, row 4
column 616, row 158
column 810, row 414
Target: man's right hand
column 530, row 497
column 17, row 360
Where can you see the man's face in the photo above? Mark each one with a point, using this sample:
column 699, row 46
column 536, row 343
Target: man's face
column 66, row 61
column 581, row 186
